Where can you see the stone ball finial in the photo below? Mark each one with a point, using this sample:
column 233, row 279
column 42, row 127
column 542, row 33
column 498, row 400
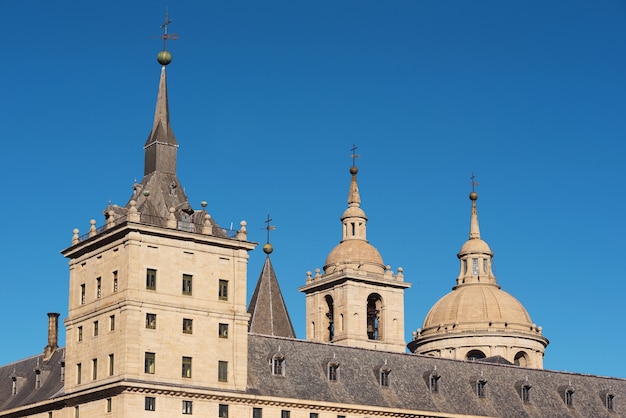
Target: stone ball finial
column 473, row 196
column 268, row 248
column 164, row 57
column 354, row 170
column 203, row 204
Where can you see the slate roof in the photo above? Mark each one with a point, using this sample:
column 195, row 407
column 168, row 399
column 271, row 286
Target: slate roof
column 267, row 309
column 25, row 376
column 306, row 378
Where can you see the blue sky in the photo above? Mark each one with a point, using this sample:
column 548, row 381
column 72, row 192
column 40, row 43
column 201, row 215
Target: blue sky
column 266, row 100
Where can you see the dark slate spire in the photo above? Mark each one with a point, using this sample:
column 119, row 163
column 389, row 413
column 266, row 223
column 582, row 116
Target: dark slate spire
column 161, row 145
column 268, row 312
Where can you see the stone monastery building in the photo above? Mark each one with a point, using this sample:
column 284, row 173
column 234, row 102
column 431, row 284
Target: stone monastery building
column 158, row 327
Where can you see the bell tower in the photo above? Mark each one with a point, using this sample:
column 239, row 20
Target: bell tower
column 357, row 300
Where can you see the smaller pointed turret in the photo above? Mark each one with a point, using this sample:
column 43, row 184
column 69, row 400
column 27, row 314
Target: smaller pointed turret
column 267, row 309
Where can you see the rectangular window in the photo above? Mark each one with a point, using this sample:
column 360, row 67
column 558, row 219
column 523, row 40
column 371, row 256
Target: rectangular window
column 485, row 265
column 112, row 322
column 82, row 294
column 525, row 393
column 150, row 403
column 285, row 414
column 187, row 326
column 187, row 284
column 222, row 371
column 223, row 290
column 434, row 384
column 569, row 398
column 187, row 408
column 223, row 330
column 341, row 416
column 80, row 333
column 278, row 365
column 223, row 411
column 314, row 415
column 481, row 388
column 79, row 373
column 384, row 378
column 474, row 266
column 187, row 367
column 151, row 321
column 99, row 287
column 109, row 404
column 14, row 386
column 94, row 369
column 111, row 364
column 115, row 281
column 333, row 372
column 76, row 412
column 151, row 279
column 149, row 363
column 609, row 401
column 37, row 379
column 95, row 328
column 257, row 413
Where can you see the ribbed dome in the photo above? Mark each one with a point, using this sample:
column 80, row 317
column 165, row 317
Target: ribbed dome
column 357, row 254
column 477, row 306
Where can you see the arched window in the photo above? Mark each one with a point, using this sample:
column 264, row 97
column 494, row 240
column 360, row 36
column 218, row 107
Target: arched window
column 475, row 355
column 374, row 311
column 521, row 359
column 330, row 316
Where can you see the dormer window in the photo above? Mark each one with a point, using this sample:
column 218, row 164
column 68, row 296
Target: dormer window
column 278, row 365
column 433, row 382
column 525, row 393
column 481, row 388
column 569, row 397
column 383, row 378
column 608, row 401
column 37, row 379
column 333, row 371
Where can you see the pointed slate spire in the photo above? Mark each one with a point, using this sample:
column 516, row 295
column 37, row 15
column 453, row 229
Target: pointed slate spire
column 161, row 145
column 268, row 312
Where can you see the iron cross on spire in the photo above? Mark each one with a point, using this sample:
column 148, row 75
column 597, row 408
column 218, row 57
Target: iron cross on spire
column 354, row 154
column 474, row 183
column 269, row 227
column 166, row 36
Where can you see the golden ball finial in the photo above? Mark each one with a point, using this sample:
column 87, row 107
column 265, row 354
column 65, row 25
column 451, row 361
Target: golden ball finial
column 164, row 57
column 354, row 170
column 473, row 196
column 268, row 248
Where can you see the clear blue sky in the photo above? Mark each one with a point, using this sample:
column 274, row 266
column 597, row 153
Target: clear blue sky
column 267, row 98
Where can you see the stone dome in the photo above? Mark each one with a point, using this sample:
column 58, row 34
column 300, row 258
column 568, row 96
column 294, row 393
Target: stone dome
column 476, row 307
column 475, row 246
column 357, row 254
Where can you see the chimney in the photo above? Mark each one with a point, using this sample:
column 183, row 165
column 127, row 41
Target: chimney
column 53, row 335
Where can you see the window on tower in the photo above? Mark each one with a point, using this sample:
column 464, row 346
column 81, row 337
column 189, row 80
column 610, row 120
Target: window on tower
column 187, row 284
column 151, row 279
column 474, row 267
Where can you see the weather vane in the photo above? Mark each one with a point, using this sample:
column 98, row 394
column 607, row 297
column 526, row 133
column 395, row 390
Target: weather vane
column 354, row 154
column 474, row 183
column 269, row 227
column 165, row 36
